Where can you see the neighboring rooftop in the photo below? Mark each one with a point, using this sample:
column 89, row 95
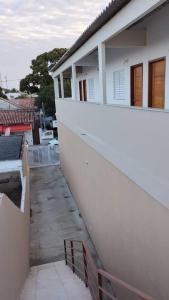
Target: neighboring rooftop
column 10, row 147
column 11, row 117
column 8, row 104
column 20, row 103
column 108, row 13
column 27, row 103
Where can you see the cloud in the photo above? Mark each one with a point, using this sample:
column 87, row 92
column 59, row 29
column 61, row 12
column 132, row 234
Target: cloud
column 30, row 27
column 31, row 19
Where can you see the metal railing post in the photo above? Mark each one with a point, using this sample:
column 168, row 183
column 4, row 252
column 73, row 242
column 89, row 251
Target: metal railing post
column 85, row 265
column 72, row 255
column 100, row 285
column 65, row 250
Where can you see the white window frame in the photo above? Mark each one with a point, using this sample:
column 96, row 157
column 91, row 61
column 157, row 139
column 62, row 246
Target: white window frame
column 119, row 81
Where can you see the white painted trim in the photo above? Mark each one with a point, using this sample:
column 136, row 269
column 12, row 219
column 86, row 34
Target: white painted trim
column 73, row 82
column 56, row 87
column 23, row 196
column 102, row 72
column 62, row 87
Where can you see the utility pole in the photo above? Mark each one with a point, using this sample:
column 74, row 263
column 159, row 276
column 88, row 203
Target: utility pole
column 1, row 81
column 6, row 82
column 43, row 109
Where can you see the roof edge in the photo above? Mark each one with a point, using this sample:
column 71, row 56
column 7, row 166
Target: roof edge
column 107, row 14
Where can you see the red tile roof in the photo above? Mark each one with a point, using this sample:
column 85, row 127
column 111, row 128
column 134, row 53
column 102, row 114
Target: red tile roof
column 12, row 102
column 9, row 117
column 24, row 102
column 21, row 103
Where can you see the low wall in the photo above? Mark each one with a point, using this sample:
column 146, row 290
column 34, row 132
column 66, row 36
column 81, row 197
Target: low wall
column 132, row 139
column 128, row 227
column 14, row 244
column 10, row 184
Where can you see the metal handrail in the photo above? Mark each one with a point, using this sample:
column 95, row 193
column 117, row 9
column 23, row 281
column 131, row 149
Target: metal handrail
column 95, row 278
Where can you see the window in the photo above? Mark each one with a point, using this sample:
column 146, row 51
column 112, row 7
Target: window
column 67, row 88
column 157, row 83
column 91, row 88
column 82, row 90
column 59, row 88
column 119, row 85
column 137, row 85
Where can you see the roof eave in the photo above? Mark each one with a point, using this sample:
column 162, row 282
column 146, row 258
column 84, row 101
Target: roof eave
column 108, row 13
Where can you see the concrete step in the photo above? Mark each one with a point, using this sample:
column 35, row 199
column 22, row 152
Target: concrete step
column 54, row 281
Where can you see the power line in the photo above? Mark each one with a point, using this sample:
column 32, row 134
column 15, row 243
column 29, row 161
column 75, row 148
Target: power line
column 10, row 80
column 1, row 80
column 6, row 82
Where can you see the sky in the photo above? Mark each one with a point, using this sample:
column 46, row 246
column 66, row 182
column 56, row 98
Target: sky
column 31, row 27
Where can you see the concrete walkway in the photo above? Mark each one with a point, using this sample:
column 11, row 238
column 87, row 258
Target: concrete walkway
column 54, row 281
column 55, row 216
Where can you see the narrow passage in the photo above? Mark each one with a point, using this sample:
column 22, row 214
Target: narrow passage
column 55, row 216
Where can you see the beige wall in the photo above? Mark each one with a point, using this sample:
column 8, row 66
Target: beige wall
column 14, row 245
column 129, row 228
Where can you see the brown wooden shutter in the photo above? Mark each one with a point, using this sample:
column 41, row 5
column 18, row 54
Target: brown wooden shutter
column 137, row 85
column 157, row 83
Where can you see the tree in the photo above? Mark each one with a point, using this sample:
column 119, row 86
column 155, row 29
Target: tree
column 40, row 77
column 13, row 90
column 47, row 97
column 29, row 84
column 2, row 95
column 39, row 80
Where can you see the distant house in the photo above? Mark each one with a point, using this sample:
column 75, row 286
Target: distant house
column 9, row 104
column 13, row 95
column 19, row 103
column 17, row 121
column 114, row 140
column 18, row 116
column 27, row 103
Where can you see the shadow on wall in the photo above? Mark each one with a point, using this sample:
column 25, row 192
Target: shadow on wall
column 10, row 184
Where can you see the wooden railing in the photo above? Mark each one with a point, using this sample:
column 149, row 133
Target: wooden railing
column 102, row 285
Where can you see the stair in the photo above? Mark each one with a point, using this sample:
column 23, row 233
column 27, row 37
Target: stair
column 54, row 281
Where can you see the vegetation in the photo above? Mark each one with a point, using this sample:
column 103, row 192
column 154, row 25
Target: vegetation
column 67, row 88
column 39, row 80
column 2, row 95
column 13, row 90
column 47, row 96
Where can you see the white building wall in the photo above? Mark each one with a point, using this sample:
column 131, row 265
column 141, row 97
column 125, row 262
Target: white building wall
column 134, row 141
column 129, row 137
column 122, row 59
column 118, row 59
